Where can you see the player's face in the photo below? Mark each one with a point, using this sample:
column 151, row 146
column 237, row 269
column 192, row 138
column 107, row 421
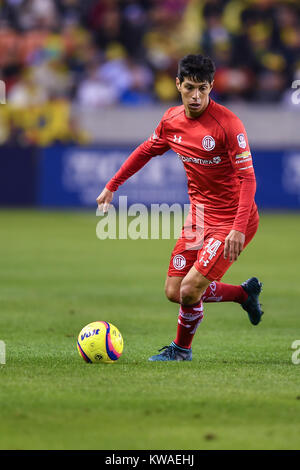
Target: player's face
column 194, row 95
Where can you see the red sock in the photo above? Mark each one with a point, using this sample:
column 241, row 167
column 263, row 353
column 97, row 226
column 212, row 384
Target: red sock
column 220, row 292
column 189, row 319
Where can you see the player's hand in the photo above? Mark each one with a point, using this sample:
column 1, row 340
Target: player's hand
column 104, row 199
column 234, row 244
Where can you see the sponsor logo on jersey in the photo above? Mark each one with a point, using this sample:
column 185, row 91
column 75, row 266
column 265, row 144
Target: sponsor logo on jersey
column 208, row 143
column 200, row 161
column 241, row 141
column 243, row 155
column 243, row 161
column 177, row 139
column 179, row 262
column 243, row 158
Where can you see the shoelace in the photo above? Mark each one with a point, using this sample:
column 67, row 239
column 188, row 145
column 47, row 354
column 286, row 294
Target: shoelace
column 168, row 351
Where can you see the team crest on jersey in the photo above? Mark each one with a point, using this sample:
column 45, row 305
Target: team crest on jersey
column 208, row 142
column 241, row 141
column 179, row 262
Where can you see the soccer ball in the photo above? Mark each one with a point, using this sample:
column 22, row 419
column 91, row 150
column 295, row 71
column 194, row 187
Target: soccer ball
column 100, row 341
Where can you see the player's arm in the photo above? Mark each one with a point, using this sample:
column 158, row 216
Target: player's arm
column 155, row 145
column 239, row 152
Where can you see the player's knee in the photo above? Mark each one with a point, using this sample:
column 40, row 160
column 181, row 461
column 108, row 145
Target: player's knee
column 172, row 294
column 191, row 290
column 188, row 294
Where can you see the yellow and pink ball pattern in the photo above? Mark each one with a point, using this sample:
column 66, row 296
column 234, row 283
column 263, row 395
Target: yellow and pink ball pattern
column 100, row 341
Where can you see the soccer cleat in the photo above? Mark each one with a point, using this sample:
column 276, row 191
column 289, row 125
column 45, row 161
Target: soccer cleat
column 252, row 306
column 173, row 353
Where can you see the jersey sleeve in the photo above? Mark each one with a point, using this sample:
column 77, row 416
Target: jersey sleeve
column 238, row 147
column 241, row 159
column 155, row 145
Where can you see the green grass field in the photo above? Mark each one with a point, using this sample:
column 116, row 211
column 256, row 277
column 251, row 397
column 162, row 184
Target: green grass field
column 241, row 391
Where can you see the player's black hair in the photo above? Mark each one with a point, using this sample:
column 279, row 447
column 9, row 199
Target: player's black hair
column 196, row 67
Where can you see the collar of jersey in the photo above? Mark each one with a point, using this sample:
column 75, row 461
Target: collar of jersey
column 195, row 121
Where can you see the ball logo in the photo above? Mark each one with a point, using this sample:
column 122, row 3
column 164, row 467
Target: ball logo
column 179, row 262
column 208, row 142
column 241, row 141
column 89, row 333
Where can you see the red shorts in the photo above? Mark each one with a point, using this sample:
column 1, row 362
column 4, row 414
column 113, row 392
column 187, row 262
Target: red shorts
column 209, row 259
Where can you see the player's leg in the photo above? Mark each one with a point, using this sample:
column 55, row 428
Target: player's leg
column 245, row 294
column 192, row 287
column 182, row 259
column 172, row 288
column 221, row 292
column 178, row 286
column 215, row 292
column 210, row 265
column 181, row 262
column 190, row 316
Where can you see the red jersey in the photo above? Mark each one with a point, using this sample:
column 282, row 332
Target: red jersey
column 216, row 156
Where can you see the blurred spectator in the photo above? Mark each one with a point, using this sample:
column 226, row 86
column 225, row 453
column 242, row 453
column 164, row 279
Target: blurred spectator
column 99, row 53
column 26, row 92
column 94, row 92
column 35, row 14
column 131, row 80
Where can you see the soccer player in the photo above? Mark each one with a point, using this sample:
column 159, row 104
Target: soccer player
column 212, row 143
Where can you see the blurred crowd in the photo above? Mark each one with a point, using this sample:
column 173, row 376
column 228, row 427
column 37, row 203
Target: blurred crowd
column 99, row 53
